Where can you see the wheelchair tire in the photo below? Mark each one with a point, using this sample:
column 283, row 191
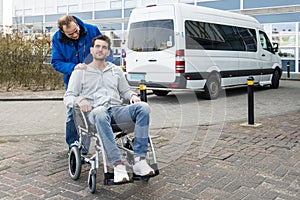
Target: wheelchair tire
column 74, row 163
column 92, row 181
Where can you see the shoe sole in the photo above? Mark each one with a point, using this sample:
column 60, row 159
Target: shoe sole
column 124, row 180
column 151, row 173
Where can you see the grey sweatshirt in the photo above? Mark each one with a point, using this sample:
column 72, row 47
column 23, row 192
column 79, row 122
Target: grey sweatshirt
column 101, row 88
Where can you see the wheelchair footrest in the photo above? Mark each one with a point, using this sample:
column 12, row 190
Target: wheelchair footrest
column 109, row 179
column 155, row 167
column 147, row 177
column 144, row 178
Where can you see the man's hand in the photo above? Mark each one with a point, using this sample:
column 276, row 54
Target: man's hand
column 134, row 99
column 81, row 66
column 85, row 106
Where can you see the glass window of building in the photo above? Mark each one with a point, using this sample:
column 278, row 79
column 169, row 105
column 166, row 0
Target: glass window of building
column 285, row 35
column 39, row 6
column 62, row 9
column 114, row 4
column 18, row 4
column 101, row 5
column 61, row 2
column 187, row 1
column 19, row 12
column 73, row 8
column 130, row 3
column 50, row 9
column 28, row 12
column 87, row 5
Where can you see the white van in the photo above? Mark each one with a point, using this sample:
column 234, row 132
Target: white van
column 181, row 46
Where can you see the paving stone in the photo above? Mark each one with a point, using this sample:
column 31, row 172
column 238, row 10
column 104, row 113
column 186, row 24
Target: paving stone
column 233, row 186
column 244, row 163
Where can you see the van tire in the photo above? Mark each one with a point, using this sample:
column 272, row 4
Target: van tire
column 212, row 88
column 275, row 80
column 160, row 92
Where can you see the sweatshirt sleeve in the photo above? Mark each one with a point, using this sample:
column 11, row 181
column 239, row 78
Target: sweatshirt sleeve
column 72, row 95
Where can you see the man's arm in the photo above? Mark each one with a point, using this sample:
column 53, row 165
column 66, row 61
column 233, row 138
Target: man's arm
column 58, row 62
column 72, row 95
column 124, row 89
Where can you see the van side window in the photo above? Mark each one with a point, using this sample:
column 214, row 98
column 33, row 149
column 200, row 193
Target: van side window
column 265, row 42
column 210, row 36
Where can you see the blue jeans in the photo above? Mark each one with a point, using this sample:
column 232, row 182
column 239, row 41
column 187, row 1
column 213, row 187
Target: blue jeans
column 136, row 115
column 71, row 133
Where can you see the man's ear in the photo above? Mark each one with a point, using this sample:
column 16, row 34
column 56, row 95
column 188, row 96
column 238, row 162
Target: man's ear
column 108, row 53
column 91, row 49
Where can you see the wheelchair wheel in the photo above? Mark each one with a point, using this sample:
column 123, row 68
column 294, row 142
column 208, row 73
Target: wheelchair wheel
column 92, row 181
column 74, row 163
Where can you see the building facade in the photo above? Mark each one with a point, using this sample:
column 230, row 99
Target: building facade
column 280, row 18
column 1, row 16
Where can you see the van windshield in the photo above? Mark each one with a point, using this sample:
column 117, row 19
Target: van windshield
column 155, row 35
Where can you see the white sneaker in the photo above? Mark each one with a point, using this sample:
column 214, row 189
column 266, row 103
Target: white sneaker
column 142, row 168
column 120, row 174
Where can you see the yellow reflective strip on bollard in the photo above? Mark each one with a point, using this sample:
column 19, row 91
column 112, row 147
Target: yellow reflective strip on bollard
column 142, row 87
column 250, row 82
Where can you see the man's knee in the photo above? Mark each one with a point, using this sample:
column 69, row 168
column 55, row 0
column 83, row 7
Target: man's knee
column 100, row 113
column 143, row 107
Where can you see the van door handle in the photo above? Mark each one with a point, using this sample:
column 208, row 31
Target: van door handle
column 152, row 60
column 263, row 55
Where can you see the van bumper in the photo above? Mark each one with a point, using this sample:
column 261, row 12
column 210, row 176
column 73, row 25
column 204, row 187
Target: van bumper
column 179, row 83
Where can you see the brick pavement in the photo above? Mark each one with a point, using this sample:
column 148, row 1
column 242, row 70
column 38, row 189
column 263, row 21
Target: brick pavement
column 245, row 163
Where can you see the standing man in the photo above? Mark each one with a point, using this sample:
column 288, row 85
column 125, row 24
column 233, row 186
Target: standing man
column 70, row 47
column 99, row 90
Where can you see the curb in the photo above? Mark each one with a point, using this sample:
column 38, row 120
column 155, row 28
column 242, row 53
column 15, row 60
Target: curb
column 33, row 99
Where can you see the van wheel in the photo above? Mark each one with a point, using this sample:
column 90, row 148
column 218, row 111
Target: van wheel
column 275, row 80
column 160, row 92
column 212, row 88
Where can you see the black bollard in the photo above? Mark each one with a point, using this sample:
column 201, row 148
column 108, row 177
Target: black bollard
column 143, row 91
column 250, row 100
column 288, row 69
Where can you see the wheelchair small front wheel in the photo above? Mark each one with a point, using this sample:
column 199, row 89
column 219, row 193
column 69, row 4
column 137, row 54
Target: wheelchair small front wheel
column 92, row 181
column 74, row 163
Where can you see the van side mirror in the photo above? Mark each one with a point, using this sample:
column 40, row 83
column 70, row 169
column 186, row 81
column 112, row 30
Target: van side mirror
column 275, row 47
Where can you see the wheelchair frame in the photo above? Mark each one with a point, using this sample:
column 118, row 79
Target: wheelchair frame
column 124, row 143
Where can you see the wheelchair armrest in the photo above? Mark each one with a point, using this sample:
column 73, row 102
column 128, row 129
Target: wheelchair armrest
column 81, row 119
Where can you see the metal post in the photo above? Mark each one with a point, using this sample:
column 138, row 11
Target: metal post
column 250, row 100
column 143, row 91
column 288, row 69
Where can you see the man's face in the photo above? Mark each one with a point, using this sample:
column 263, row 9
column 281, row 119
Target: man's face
column 71, row 31
column 100, row 50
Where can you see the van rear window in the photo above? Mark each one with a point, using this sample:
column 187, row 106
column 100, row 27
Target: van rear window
column 155, row 35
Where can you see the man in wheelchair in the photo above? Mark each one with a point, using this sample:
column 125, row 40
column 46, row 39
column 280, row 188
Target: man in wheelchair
column 99, row 90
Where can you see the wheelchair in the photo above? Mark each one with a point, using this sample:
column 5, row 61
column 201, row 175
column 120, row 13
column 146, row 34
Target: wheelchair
column 124, row 140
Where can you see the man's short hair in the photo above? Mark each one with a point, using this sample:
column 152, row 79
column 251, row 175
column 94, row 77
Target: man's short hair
column 65, row 21
column 102, row 37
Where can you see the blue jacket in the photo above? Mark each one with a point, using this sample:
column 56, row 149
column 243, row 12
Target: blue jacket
column 64, row 55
